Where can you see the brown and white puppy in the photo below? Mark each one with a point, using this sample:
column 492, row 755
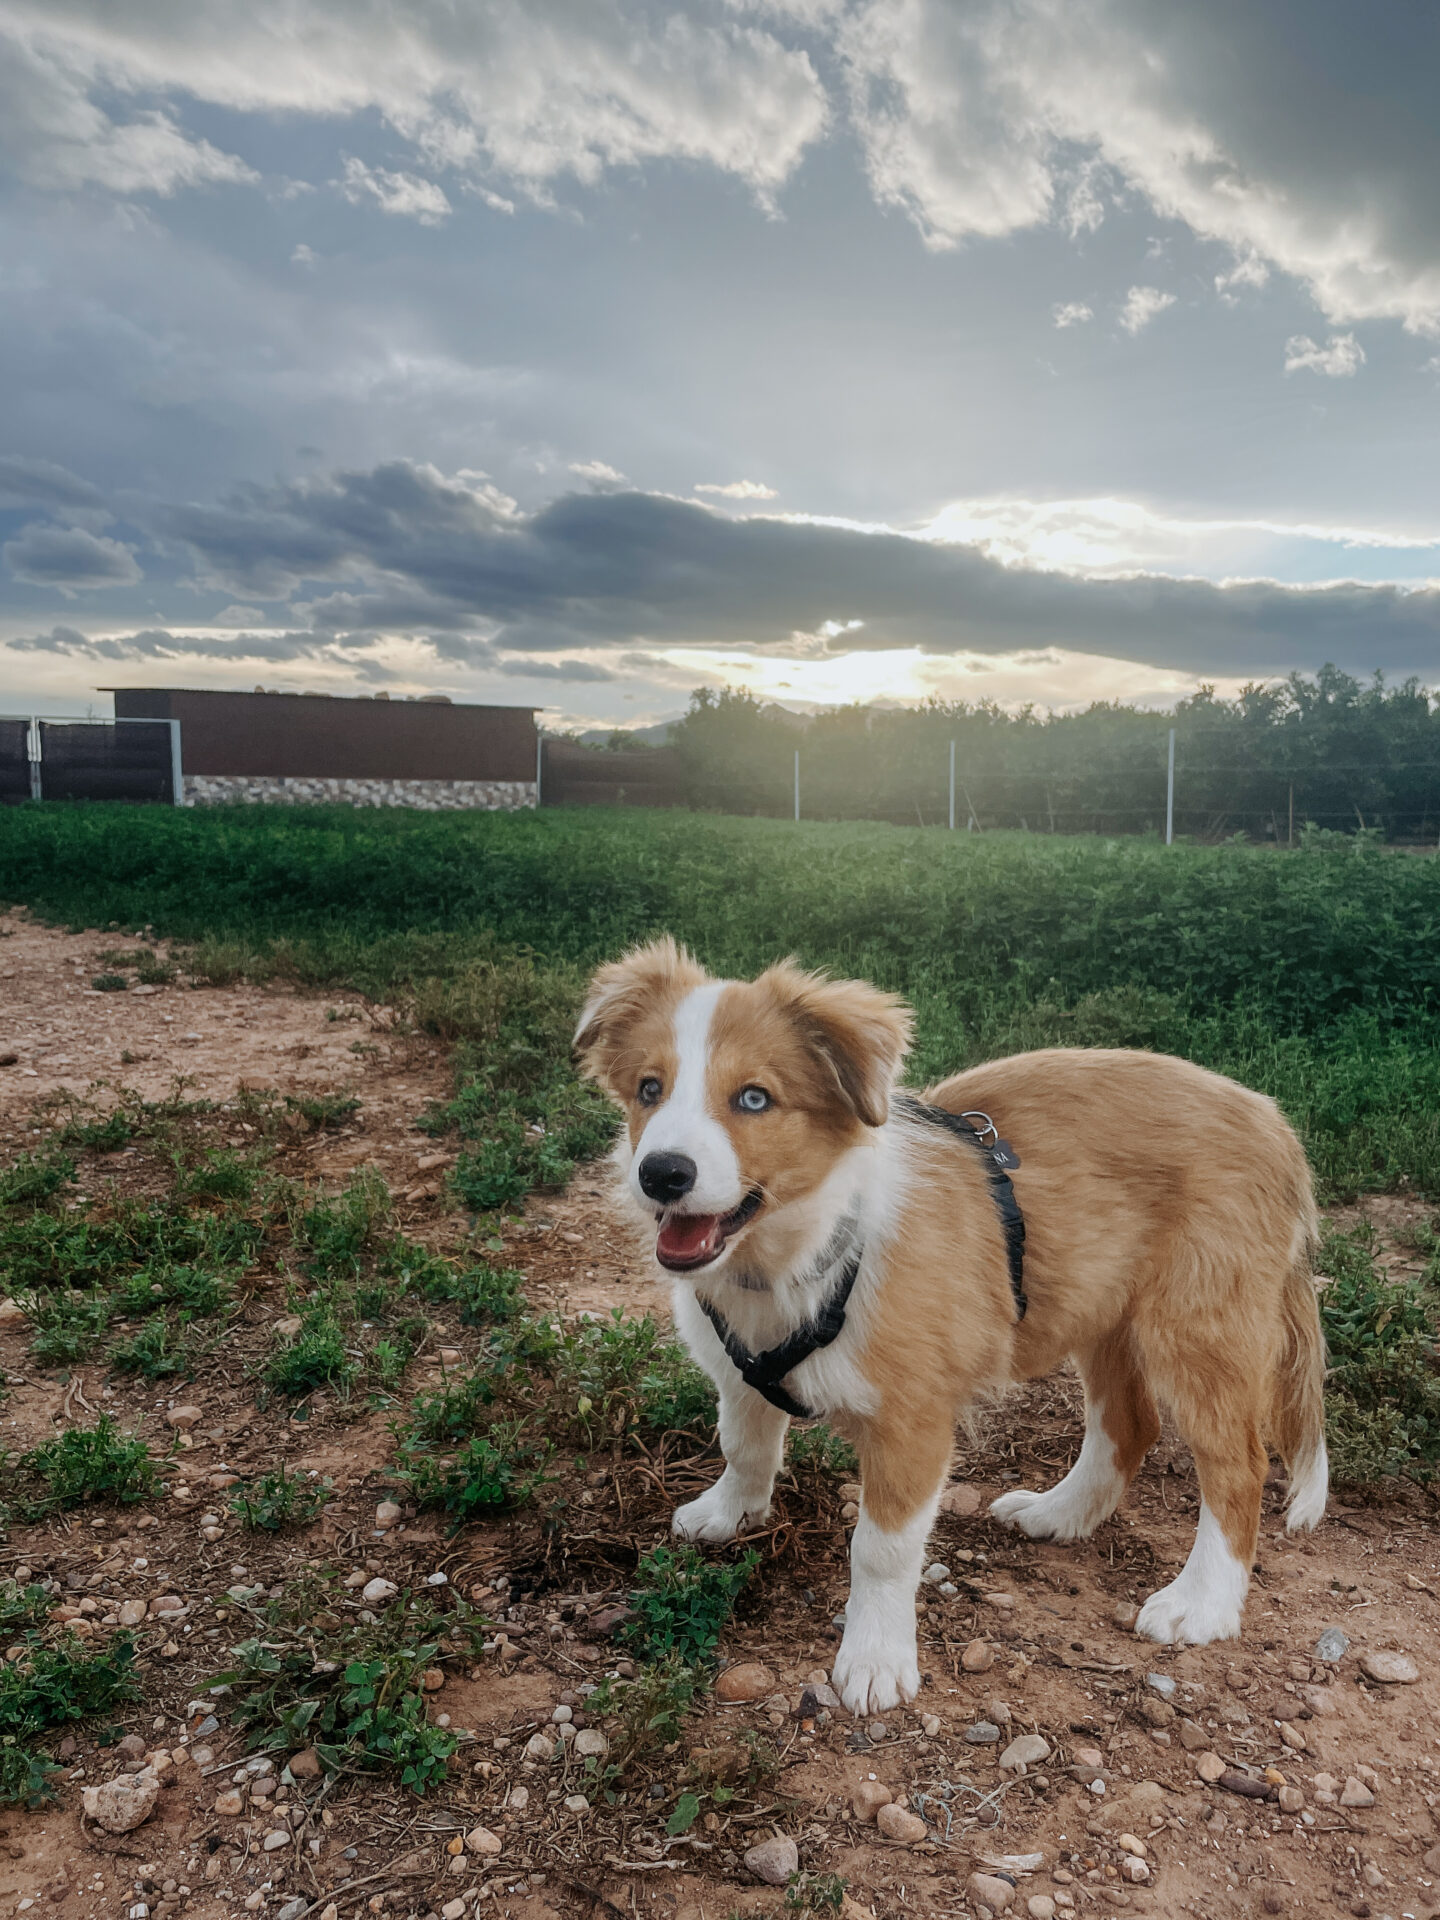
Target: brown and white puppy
column 1170, row 1225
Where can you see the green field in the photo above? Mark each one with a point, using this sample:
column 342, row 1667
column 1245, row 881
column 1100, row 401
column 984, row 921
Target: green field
column 1312, row 975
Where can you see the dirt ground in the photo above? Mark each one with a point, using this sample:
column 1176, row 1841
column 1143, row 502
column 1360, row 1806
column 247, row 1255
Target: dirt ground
column 1327, row 1804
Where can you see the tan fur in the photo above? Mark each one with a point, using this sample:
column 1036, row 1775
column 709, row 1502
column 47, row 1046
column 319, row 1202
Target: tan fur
column 624, row 1031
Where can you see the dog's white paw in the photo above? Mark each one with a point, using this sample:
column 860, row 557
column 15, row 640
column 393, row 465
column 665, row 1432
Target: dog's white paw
column 872, row 1679
column 1184, row 1614
column 718, row 1515
column 1043, row 1516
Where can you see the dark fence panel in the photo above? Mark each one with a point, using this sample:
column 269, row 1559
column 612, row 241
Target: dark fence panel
column 14, row 761
column 100, row 762
column 594, row 777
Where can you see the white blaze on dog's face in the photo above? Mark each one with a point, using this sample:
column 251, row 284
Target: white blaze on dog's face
column 739, row 1095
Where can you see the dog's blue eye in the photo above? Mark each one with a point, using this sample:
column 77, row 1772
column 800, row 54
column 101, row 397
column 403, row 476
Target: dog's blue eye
column 752, row 1100
column 649, row 1092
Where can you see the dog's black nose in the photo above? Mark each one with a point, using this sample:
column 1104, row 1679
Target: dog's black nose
column 665, row 1177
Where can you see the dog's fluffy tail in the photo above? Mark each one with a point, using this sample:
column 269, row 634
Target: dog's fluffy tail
column 1299, row 1414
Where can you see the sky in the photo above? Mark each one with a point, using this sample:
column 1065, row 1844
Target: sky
column 575, row 353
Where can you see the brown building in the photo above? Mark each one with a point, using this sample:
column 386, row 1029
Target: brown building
column 298, row 747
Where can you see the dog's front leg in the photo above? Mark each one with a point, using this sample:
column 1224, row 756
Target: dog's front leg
column 877, row 1666
column 752, row 1439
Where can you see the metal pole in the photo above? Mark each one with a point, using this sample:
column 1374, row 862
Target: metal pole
column 797, row 783
column 539, row 762
column 32, row 744
column 1170, row 794
column 952, row 786
column 177, row 771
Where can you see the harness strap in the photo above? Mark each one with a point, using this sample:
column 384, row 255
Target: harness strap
column 765, row 1371
column 1002, row 1190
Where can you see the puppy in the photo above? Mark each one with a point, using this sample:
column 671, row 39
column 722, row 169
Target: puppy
column 840, row 1249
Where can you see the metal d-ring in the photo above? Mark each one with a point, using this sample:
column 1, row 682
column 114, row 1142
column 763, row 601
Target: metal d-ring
column 988, row 1128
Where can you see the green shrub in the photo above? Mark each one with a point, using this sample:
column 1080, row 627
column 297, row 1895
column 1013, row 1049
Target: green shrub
column 818, row 1448
column 491, row 1472
column 35, row 1178
column 323, row 1111
column 682, row 1602
column 1383, row 1393
column 484, row 1294
column 280, row 1499
column 625, row 1376
column 68, row 1326
column 110, row 983
column 46, row 1686
column 155, row 1351
column 338, row 1236
column 91, row 1463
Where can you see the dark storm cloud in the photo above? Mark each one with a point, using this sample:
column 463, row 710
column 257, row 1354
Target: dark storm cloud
column 618, row 569
column 159, row 643
column 41, row 483
column 69, row 558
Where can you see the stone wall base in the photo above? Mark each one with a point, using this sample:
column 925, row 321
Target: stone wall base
column 432, row 796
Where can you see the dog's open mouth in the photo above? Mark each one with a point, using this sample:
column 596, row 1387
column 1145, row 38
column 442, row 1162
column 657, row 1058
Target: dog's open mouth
column 689, row 1240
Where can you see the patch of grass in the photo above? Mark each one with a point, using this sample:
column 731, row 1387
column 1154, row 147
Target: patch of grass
column 644, row 1715
column 338, row 1236
column 110, row 983
column 280, row 1499
column 35, row 1178
column 625, row 1377
column 45, row 1687
column 316, row 1357
column 155, row 1351
column 90, row 1463
column 822, row 1450
column 682, row 1602
column 815, row 1893
column 24, row 1608
column 484, row 1294
column 351, row 1689
column 491, row 1472
column 1382, row 1396
column 221, row 1173
column 106, row 1135
column 324, row 1112
column 68, row 1326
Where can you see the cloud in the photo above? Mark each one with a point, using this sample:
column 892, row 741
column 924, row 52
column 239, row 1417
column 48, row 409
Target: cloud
column 598, row 472
column 527, row 90
column 69, row 558
column 1248, row 271
column 1341, row 358
column 160, row 643
column 736, row 490
column 237, row 616
column 41, row 483
column 401, row 193
column 1074, row 313
column 633, row 570
column 1141, row 306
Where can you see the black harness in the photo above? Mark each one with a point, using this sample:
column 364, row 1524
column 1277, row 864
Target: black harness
column 765, row 1371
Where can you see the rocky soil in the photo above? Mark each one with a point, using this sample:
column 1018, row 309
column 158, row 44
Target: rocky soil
column 1052, row 1763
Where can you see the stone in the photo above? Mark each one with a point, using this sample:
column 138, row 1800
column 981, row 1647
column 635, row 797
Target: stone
column 1124, row 1615
column 1292, row 1737
column 817, row 1697
column 183, row 1418
column 1209, row 1767
column 935, row 1573
column 1004, row 1601
column 1040, row 1907
column 305, row 1765
column 1356, row 1794
column 1132, row 1843
column 773, row 1861
column 166, row 1603
column 122, row 1804
column 988, row 1889
column 482, row 1840
column 591, row 1744
column 1027, row 1751
column 1193, row 1736
column 1291, row 1799
column 377, row 1591
column 1430, row 1860
column 748, row 1681
column 131, row 1612
column 930, row 1725
column 278, row 1837
column 978, row 1657
column 877, row 1731
column 288, row 1326
column 1156, row 1713
column 293, row 1908
column 961, row 1500
column 1390, row 1669
column 1162, row 1684
column 387, row 1514
column 229, row 1803
column 869, row 1797
column 452, row 1910
column 1331, row 1645
column 12, row 1314
column 1089, row 1757
column 432, row 1680
column 898, row 1823
column 1323, row 1702
column 1133, row 1870
column 540, row 1747
column 984, row 1733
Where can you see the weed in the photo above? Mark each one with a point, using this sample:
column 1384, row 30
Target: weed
column 221, row 1174
column 337, row 1235
column 154, row 1352
column 106, row 1134
column 44, row 1687
column 446, row 1418
column 315, row 1358
column 822, row 1450
column 1383, row 1393
column 110, row 983
column 645, row 1714
column 483, row 1294
column 815, row 1893
column 35, row 1178
column 323, row 1111
column 682, row 1602
column 490, row 1472
column 68, row 1326
column 91, row 1463
column 280, row 1499
column 23, row 1608
column 625, row 1377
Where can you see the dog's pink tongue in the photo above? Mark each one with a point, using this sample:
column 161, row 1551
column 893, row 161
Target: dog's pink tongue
column 688, row 1236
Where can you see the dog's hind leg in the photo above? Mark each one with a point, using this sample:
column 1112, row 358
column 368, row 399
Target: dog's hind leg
column 1207, row 1597
column 1121, row 1426
column 752, row 1439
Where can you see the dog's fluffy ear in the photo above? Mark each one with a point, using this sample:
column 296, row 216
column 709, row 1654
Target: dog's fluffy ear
column 622, row 992
column 857, row 1034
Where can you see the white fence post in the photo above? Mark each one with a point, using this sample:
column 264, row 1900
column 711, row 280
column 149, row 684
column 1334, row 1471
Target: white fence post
column 1170, row 794
column 952, row 786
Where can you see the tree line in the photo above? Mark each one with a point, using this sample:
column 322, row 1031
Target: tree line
column 1326, row 751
